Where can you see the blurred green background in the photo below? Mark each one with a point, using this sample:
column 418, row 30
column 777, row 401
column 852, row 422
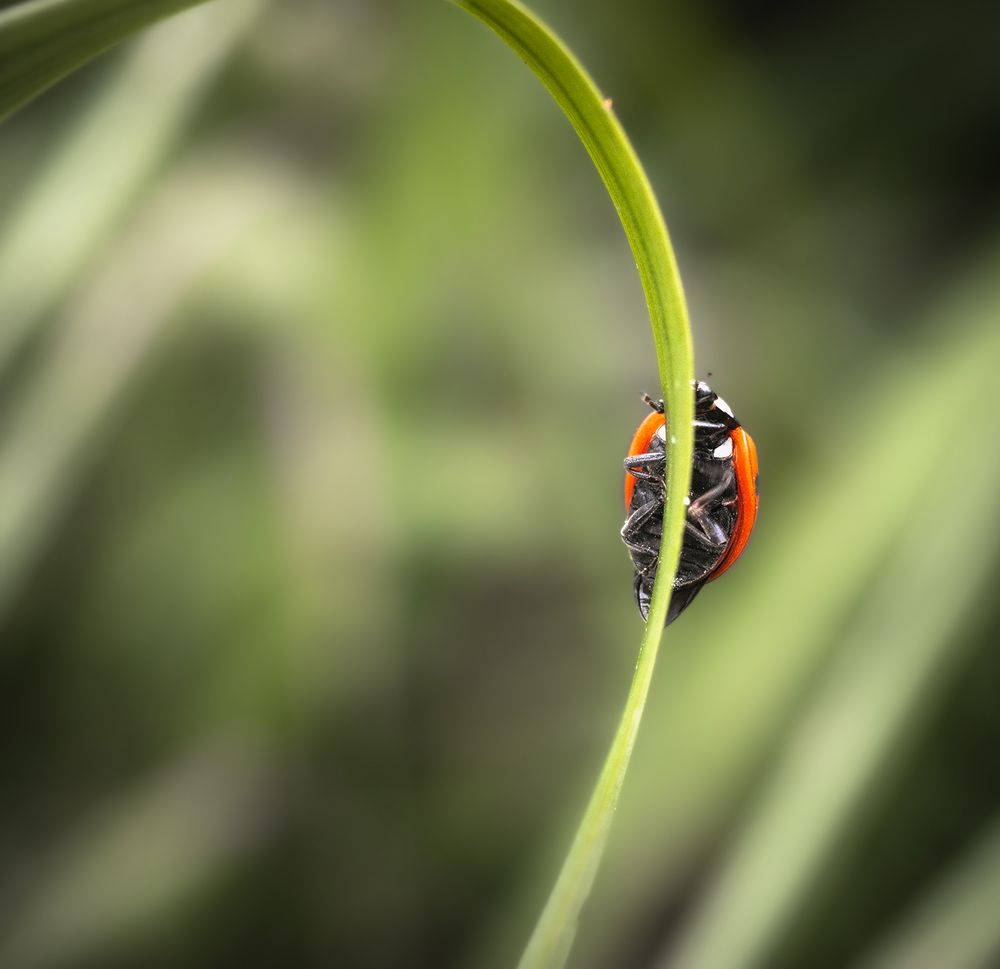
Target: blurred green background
column 320, row 348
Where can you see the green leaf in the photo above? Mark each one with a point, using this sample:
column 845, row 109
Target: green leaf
column 41, row 41
column 593, row 119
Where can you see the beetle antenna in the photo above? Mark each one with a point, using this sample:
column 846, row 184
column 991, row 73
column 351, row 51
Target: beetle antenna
column 657, row 405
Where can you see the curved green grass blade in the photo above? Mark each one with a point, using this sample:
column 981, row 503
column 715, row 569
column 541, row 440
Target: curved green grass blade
column 630, row 191
column 41, row 41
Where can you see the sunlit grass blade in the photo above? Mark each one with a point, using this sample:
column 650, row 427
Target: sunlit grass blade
column 63, row 217
column 888, row 672
column 593, row 119
column 955, row 924
column 41, row 41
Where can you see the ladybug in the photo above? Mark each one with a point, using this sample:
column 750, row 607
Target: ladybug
column 721, row 507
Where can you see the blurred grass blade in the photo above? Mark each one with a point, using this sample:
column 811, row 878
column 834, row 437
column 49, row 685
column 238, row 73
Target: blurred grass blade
column 140, row 861
column 630, row 191
column 956, row 924
column 64, row 217
column 41, row 41
column 887, row 674
column 99, row 345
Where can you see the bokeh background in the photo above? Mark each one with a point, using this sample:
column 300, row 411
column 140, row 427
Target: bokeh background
column 320, row 347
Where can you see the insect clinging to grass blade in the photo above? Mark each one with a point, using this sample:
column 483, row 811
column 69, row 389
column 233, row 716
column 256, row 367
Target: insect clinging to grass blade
column 721, row 506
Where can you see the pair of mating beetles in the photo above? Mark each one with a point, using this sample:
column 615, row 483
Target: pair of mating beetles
column 721, row 506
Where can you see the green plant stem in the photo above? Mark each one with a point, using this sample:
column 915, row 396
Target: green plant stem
column 593, row 119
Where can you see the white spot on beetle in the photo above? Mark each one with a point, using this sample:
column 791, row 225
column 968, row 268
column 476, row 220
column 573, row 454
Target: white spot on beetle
column 723, row 406
column 661, row 432
column 725, row 449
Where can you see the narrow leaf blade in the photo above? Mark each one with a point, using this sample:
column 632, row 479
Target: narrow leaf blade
column 44, row 40
column 625, row 180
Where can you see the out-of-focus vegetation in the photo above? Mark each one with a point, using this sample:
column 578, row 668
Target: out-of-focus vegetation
column 315, row 622
column 41, row 41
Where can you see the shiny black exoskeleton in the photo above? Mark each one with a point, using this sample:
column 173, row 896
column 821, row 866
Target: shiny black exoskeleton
column 712, row 507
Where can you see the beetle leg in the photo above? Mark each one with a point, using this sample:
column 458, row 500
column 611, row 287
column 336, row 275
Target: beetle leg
column 634, row 463
column 645, row 475
column 703, row 425
column 632, row 529
column 640, row 516
column 651, row 550
column 651, row 457
column 642, row 539
column 643, row 544
column 699, row 507
column 637, row 545
column 700, row 521
column 707, row 531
